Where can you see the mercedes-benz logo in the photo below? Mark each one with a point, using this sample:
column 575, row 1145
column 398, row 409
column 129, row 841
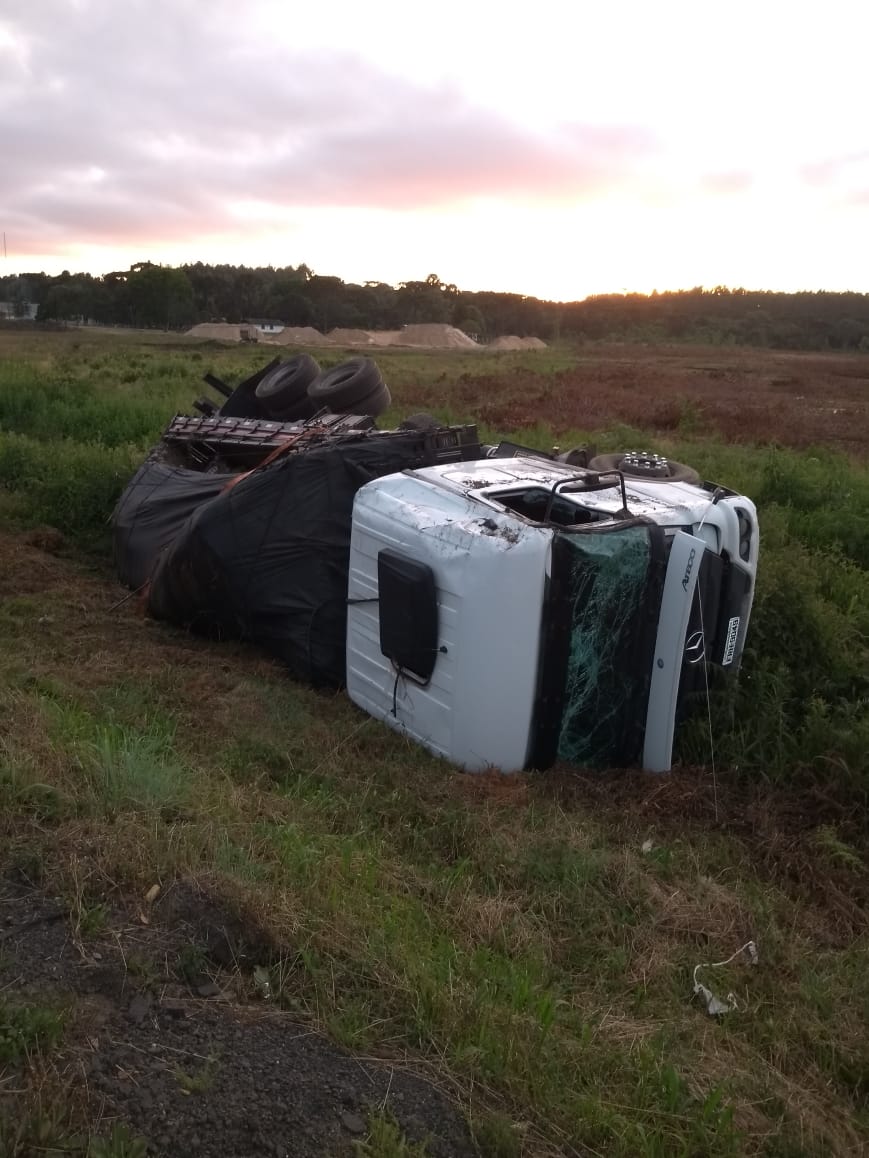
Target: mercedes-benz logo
column 695, row 649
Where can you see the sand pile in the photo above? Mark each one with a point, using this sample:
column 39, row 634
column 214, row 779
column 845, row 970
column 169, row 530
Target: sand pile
column 220, row 330
column 429, row 335
column 350, row 337
column 512, row 342
column 436, row 335
column 297, row 336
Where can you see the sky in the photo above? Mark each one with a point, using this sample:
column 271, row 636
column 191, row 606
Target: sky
column 556, row 149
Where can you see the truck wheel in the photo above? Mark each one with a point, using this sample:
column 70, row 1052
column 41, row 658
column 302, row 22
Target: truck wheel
column 372, row 404
column 284, row 391
column 345, row 387
column 645, row 466
column 578, row 456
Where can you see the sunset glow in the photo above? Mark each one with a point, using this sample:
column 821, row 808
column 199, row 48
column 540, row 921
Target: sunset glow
column 552, row 150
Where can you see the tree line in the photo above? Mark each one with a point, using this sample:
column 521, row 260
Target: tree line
column 165, row 297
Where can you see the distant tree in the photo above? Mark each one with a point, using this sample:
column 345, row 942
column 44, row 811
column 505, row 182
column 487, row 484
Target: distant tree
column 326, row 296
column 469, row 319
column 159, row 296
column 381, row 305
column 423, row 301
column 848, row 333
column 153, row 295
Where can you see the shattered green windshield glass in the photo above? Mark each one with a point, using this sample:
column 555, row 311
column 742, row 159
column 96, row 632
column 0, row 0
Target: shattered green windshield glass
column 608, row 665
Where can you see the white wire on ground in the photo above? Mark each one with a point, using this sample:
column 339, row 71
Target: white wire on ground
column 714, row 1005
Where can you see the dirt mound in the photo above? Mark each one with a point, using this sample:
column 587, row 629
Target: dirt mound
column 512, row 342
column 351, row 337
column 433, row 336
column 223, row 331
column 297, row 336
column 437, row 336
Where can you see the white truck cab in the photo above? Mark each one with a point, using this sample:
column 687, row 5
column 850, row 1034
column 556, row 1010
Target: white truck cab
column 509, row 612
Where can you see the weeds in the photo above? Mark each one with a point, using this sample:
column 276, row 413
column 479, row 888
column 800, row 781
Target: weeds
column 91, row 921
column 133, row 770
column 386, row 1140
column 497, row 1136
column 45, row 1128
column 26, row 1030
column 511, row 930
column 828, row 841
column 191, row 964
column 201, row 1081
column 120, row 1143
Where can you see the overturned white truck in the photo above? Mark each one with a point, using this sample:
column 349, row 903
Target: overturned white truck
column 510, row 612
column 501, row 607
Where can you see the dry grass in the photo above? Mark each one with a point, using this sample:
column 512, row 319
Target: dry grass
column 546, row 880
column 739, row 395
column 511, row 932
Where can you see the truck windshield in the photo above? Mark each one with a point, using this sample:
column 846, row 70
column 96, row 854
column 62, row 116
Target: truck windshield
column 600, row 622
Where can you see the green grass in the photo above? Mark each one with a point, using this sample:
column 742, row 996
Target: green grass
column 50, row 1129
column 77, row 416
column 118, row 1143
column 27, row 1030
column 385, row 1140
column 514, row 935
column 534, row 951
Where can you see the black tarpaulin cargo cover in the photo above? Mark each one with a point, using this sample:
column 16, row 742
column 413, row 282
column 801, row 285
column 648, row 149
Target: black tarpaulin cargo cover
column 155, row 505
column 267, row 560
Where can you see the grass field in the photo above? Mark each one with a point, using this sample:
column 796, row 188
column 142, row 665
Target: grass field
column 526, row 942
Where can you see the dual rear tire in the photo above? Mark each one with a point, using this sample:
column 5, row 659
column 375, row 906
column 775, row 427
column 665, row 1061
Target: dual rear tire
column 298, row 389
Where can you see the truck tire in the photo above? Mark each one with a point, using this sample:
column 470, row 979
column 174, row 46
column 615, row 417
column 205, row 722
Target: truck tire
column 675, row 471
column 344, row 387
column 372, row 404
column 283, row 393
column 578, row 456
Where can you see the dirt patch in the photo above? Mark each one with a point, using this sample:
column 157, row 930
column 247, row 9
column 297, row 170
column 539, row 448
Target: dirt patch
column 289, row 336
column 222, row 331
column 436, row 336
column 32, row 563
column 351, row 337
column 512, row 342
column 188, row 1066
column 384, row 337
column 297, row 336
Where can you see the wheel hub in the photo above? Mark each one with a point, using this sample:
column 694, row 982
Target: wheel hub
column 645, row 464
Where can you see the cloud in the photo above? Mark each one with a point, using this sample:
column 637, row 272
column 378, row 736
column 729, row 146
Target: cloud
column 149, row 121
column 727, row 184
column 844, row 171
